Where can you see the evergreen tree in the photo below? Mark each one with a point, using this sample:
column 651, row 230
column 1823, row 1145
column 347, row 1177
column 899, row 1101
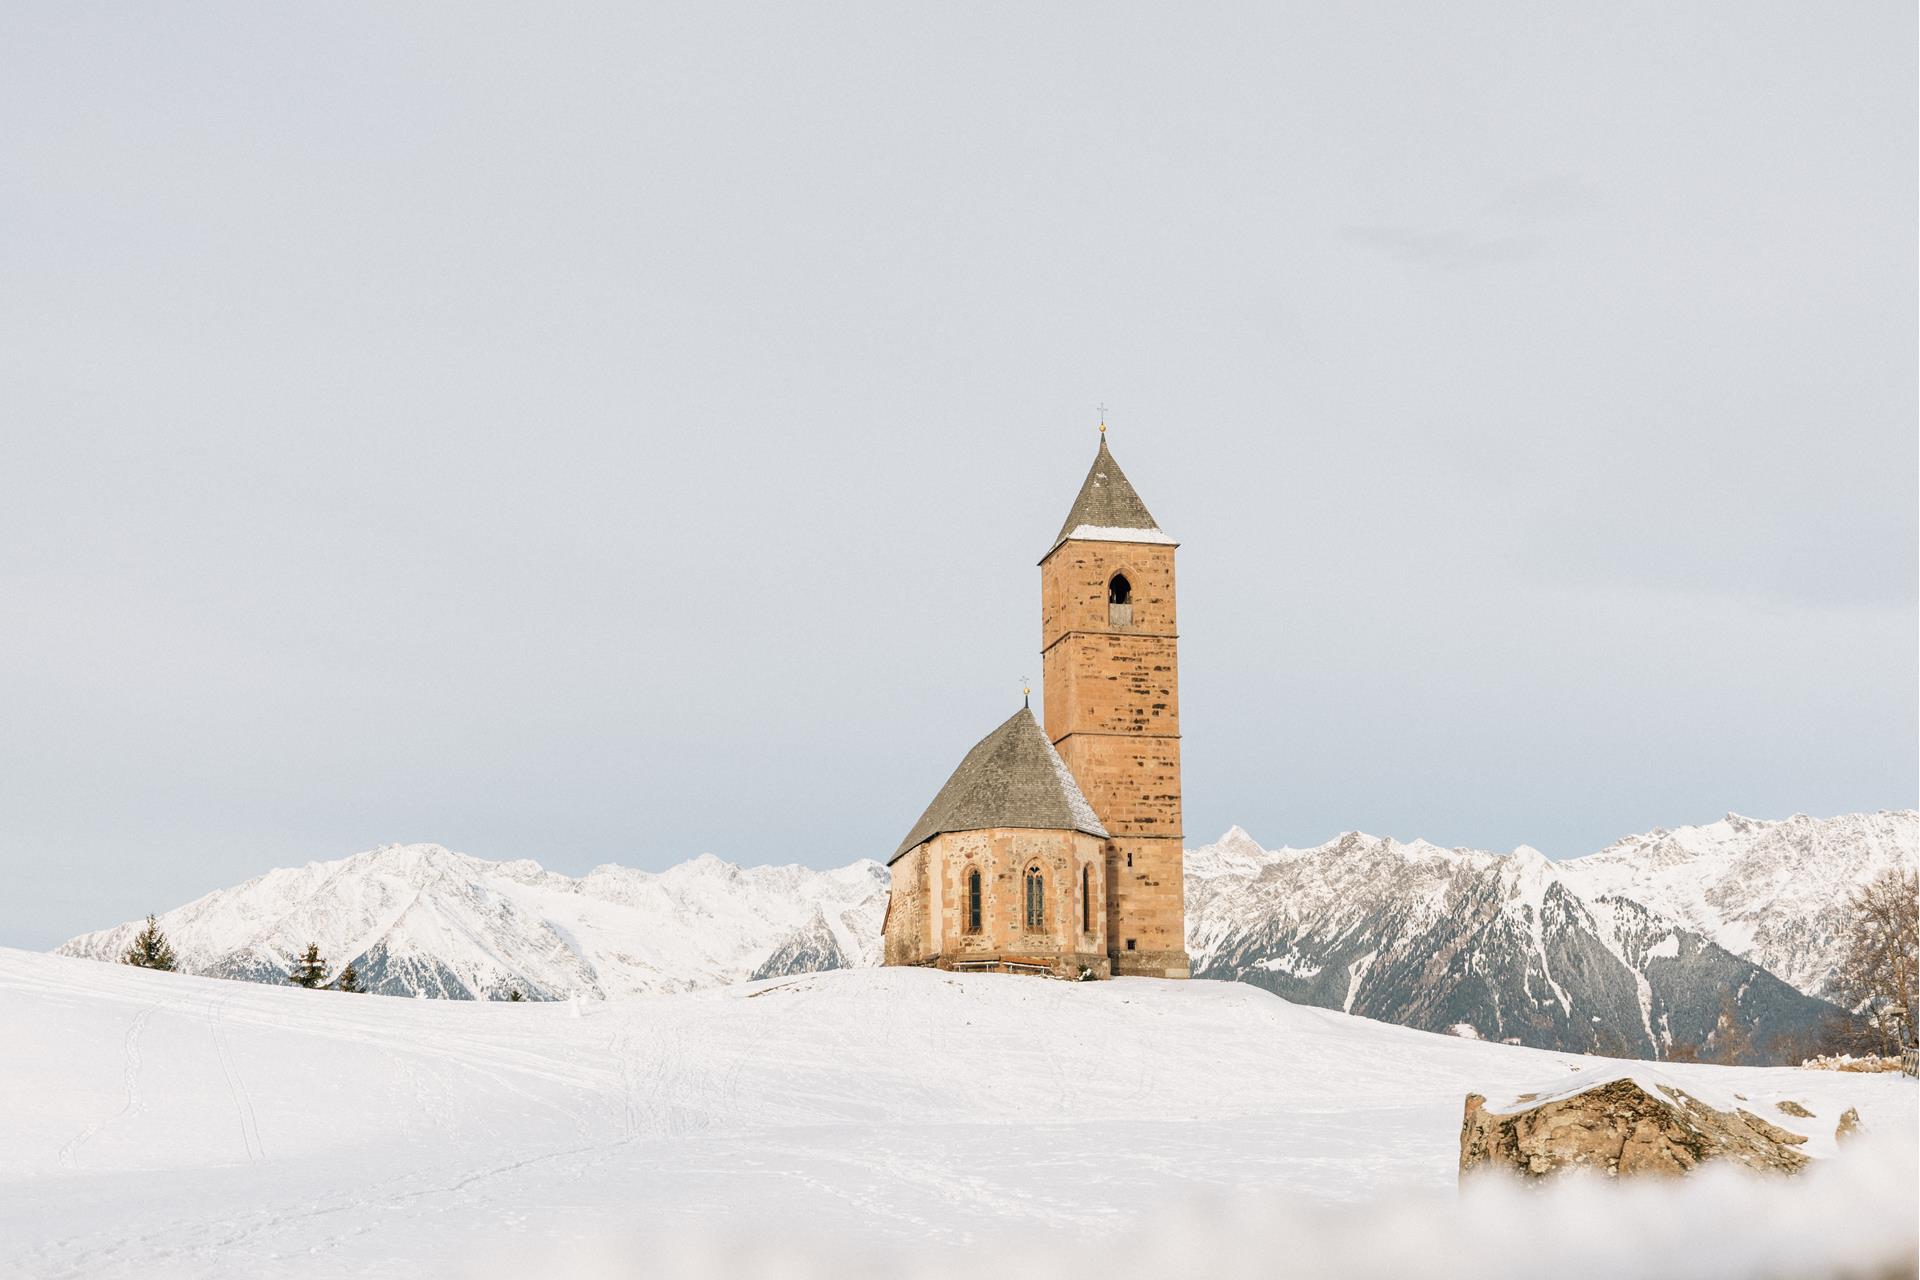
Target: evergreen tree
column 150, row 949
column 310, row 970
column 349, row 980
column 514, row 995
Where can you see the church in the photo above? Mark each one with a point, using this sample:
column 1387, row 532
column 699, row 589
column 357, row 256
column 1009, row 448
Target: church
column 1056, row 849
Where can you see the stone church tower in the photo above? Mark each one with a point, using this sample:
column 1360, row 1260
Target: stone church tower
column 1108, row 644
column 1058, row 850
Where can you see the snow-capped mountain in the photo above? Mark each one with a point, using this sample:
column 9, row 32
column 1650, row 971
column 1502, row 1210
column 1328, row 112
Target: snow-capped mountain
column 1500, row 947
column 1627, row 951
column 1772, row 892
column 418, row 919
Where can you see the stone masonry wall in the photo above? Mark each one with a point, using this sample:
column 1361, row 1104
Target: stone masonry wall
column 927, row 908
column 1113, row 713
column 905, row 937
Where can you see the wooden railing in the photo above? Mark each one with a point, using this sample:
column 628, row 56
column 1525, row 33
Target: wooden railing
column 1002, row 966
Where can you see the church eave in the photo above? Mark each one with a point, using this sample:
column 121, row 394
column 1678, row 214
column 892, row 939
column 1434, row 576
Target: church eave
column 1136, row 537
column 1009, row 826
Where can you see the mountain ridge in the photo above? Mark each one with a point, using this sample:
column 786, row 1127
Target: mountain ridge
column 1506, row 946
column 421, row 919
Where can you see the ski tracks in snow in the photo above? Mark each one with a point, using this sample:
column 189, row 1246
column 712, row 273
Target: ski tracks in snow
column 130, row 1075
column 236, row 1086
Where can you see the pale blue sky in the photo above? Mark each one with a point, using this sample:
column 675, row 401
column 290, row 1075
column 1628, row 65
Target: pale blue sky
column 614, row 432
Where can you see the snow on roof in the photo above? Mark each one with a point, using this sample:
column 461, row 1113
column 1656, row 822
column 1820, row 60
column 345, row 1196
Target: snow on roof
column 1113, row 533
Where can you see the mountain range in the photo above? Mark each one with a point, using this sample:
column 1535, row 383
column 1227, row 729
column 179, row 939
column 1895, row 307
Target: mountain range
column 1658, row 943
column 418, row 919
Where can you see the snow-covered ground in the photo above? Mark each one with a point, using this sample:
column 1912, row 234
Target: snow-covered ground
column 882, row 1122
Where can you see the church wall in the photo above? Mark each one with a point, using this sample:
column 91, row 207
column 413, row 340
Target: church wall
column 1132, row 781
column 1073, row 587
column 905, row 938
column 927, row 910
column 1113, row 713
column 1149, row 907
column 1113, row 682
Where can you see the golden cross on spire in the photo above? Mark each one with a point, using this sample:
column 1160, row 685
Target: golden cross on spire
column 1103, row 417
column 1026, row 692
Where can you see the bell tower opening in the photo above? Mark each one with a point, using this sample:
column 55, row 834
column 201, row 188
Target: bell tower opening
column 1119, row 601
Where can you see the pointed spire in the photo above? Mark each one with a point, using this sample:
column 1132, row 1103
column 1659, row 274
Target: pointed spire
column 1108, row 509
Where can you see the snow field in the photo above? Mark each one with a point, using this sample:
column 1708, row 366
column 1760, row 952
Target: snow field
column 858, row 1122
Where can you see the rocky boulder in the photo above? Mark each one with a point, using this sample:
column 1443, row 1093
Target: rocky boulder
column 1619, row 1122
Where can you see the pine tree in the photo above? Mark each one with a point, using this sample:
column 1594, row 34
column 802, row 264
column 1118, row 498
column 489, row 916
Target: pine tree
column 514, row 995
column 150, row 949
column 309, row 970
column 349, row 980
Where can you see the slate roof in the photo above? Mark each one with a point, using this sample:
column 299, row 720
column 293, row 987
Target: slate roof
column 1012, row 778
column 1108, row 508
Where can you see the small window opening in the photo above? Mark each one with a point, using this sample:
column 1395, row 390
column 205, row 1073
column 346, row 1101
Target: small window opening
column 1129, row 944
column 1086, row 898
column 1129, row 857
column 973, row 901
column 1036, row 900
column 1119, row 601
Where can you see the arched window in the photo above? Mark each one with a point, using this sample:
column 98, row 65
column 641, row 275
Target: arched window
column 1036, row 900
column 1086, row 898
column 973, row 901
column 1119, row 601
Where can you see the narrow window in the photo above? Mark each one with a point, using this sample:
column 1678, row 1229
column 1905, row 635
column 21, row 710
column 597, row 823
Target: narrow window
column 1129, row 944
column 1119, row 601
column 1129, row 857
column 973, row 901
column 1036, row 900
column 1086, row 898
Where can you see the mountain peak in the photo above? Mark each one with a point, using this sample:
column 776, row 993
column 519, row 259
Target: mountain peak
column 1237, row 839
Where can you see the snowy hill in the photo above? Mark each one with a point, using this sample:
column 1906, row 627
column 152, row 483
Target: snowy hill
column 1772, row 892
column 1500, row 947
column 849, row 1123
column 419, row 919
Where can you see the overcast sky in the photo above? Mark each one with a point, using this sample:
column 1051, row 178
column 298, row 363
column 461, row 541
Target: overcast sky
column 612, row 433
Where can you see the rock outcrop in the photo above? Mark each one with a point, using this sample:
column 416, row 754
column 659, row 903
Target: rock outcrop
column 1619, row 1123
